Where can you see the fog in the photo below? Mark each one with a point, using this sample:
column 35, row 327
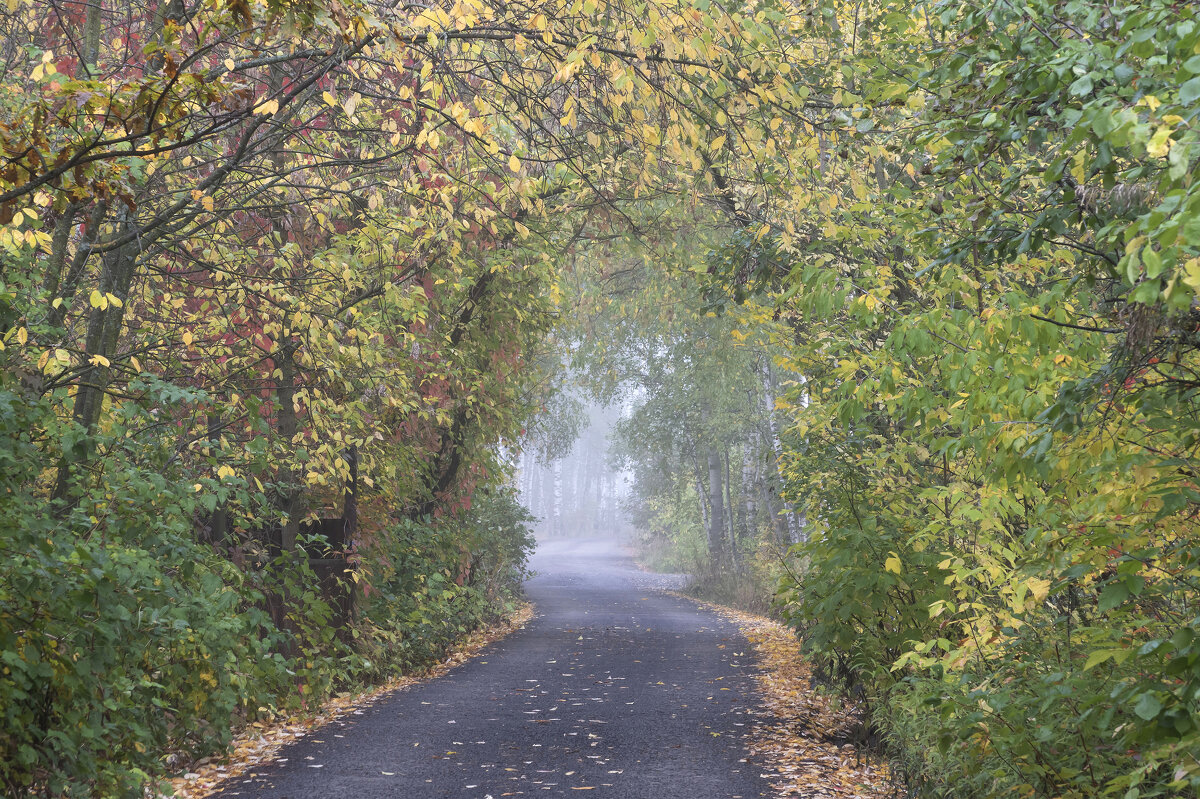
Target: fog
column 576, row 491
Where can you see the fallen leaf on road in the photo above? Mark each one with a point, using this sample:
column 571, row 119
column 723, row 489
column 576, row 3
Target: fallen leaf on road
column 802, row 738
column 259, row 743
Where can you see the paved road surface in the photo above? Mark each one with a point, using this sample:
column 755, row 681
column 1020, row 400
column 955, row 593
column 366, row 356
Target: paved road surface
column 614, row 691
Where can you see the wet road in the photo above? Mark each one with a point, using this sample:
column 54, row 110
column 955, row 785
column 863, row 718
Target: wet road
column 614, row 690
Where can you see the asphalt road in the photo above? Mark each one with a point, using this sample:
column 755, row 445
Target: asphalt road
column 614, row 690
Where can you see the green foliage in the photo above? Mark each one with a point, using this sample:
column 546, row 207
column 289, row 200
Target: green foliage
column 496, row 531
column 698, row 388
column 671, row 537
column 120, row 637
column 995, row 439
column 440, row 581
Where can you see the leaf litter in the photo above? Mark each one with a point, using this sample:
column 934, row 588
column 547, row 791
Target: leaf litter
column 260, row 742
column 805, row 736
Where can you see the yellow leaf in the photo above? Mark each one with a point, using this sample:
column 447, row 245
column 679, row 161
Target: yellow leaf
column 225, row 471
column 229, row 65
column 269, row 107
column 329, row 99
column 207, row 202
column 23, row 336
column 97, row 299
column 1160, row 142
column 893, row 564
column 98, row 360
column 514, row 163
column 1191, row 273
column 187, row 338
column 62, row 356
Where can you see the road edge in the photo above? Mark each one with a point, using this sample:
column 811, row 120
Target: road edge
column 796, row 737
column 260, row 741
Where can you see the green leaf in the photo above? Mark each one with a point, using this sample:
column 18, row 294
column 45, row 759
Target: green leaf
column 1112, row 596
column 1153, row 262
column 1082, row 86
column 1148, row 707
column 1189, row 92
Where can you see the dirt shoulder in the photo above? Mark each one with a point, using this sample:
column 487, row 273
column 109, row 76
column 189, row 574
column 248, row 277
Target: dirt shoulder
column 802, row 739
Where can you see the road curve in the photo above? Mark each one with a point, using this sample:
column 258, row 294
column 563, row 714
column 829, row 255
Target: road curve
column 614, row 690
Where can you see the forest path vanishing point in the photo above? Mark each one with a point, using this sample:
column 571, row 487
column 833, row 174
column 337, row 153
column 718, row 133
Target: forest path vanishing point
column 615, row 689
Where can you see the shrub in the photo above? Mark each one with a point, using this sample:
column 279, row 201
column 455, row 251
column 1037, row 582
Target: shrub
column 121, row 638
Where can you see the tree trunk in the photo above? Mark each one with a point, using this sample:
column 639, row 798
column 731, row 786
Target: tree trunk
column 749, row 481
column 729, row 510
column 791, row 523
column 716, row 518
column 100, row 343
